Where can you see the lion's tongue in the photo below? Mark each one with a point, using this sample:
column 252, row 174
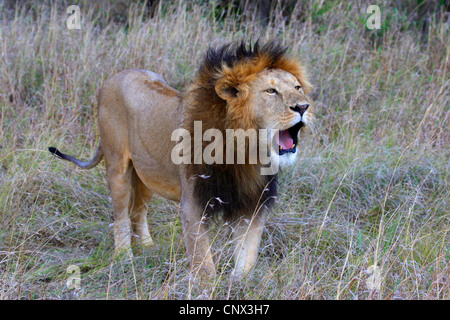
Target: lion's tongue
column 285, row 140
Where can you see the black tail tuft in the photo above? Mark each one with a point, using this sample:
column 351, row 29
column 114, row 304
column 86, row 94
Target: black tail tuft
column 56, row 152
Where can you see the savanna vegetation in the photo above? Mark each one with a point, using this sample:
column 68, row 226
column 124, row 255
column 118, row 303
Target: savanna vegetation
column 366, row 204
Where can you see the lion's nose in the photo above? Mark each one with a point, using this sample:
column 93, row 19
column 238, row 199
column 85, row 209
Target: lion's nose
column 300, row 108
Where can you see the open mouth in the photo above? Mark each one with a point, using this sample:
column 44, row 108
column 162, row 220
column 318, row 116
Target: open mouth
column 287, row 139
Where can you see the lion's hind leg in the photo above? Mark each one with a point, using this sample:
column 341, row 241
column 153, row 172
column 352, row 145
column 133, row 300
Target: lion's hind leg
column 119, row 181
column 141, row 196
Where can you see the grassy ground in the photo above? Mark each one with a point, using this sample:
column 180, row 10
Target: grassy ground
column 371, row 187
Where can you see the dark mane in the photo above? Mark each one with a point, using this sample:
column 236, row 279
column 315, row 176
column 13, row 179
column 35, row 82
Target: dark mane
column 232, row 53
column 237, row 188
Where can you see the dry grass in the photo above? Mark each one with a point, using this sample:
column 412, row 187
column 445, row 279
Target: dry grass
column 371, row 186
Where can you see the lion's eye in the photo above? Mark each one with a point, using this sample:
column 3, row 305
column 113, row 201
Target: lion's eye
column 297, row 87
column 271, row 91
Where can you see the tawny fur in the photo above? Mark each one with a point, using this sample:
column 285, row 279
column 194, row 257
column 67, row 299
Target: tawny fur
column 137, row 113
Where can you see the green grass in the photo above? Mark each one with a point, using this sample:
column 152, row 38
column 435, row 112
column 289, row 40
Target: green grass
column 371, row 186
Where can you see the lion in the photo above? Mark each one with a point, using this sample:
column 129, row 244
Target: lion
column 238, row 87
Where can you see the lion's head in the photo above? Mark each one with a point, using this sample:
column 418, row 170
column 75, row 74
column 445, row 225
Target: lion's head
column 255, row 87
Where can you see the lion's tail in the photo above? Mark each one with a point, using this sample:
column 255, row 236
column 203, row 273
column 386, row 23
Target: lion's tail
column 82, row 164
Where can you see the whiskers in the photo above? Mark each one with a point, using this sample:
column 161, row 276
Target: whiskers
column 314, row 125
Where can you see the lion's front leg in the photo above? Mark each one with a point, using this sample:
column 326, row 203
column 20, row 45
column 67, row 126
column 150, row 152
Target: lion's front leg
column 196, row 237
column 247, row 237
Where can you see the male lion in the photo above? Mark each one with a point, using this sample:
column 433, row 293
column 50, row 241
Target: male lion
column 237, row 87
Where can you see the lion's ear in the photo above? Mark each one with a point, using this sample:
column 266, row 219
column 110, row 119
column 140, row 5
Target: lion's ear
column 225, row 91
